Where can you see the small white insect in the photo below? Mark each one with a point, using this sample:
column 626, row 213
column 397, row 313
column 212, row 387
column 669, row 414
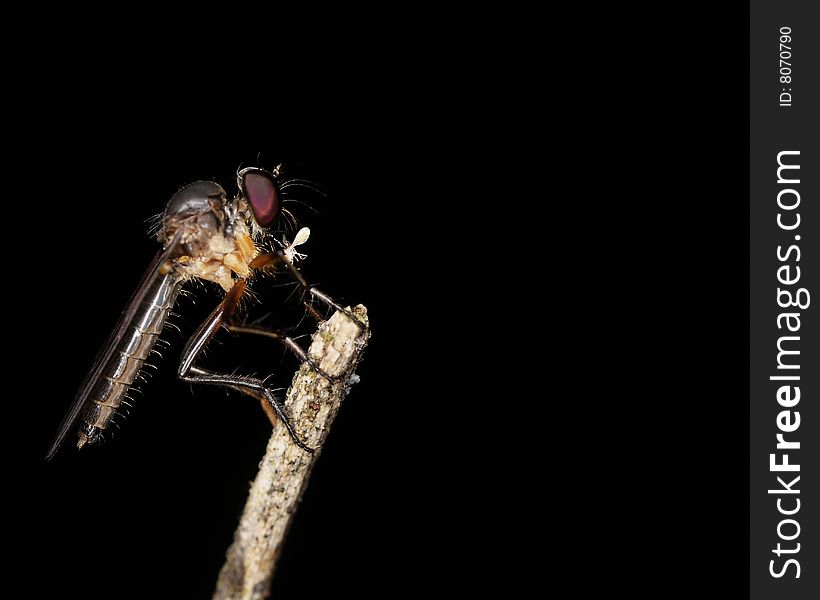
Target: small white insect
column 290, row 249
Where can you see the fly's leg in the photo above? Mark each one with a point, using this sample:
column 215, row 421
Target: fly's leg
column 249, row 385
column 276, row 258
column 288, row 341
column 197, row 375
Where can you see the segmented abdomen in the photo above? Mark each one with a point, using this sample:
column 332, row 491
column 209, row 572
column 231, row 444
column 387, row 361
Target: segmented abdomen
column 125, row 363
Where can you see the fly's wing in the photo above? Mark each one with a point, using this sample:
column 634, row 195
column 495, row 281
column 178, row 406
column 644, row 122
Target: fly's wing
column 82, row 397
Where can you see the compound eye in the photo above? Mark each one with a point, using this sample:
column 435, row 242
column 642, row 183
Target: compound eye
column 262, row 193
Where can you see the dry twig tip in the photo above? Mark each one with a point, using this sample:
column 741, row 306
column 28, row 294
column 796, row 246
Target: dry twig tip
column 312, row 403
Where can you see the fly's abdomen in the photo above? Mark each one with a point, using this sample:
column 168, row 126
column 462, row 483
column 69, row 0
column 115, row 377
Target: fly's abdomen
column 119, row 373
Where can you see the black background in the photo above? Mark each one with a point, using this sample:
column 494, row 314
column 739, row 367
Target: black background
column 106, row 126
column 494, row 182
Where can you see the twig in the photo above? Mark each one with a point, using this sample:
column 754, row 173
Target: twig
column 312, row 403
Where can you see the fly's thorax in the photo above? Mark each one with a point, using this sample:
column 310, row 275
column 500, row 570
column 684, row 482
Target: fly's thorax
column 209, row 234
column 228, row 252
column 194, row 214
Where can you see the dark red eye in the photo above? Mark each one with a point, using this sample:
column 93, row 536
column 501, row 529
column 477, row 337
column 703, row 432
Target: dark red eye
column 262, row 194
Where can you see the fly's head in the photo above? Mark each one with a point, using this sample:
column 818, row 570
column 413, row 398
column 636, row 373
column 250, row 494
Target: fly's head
column 260, row 200
column 259, row 205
